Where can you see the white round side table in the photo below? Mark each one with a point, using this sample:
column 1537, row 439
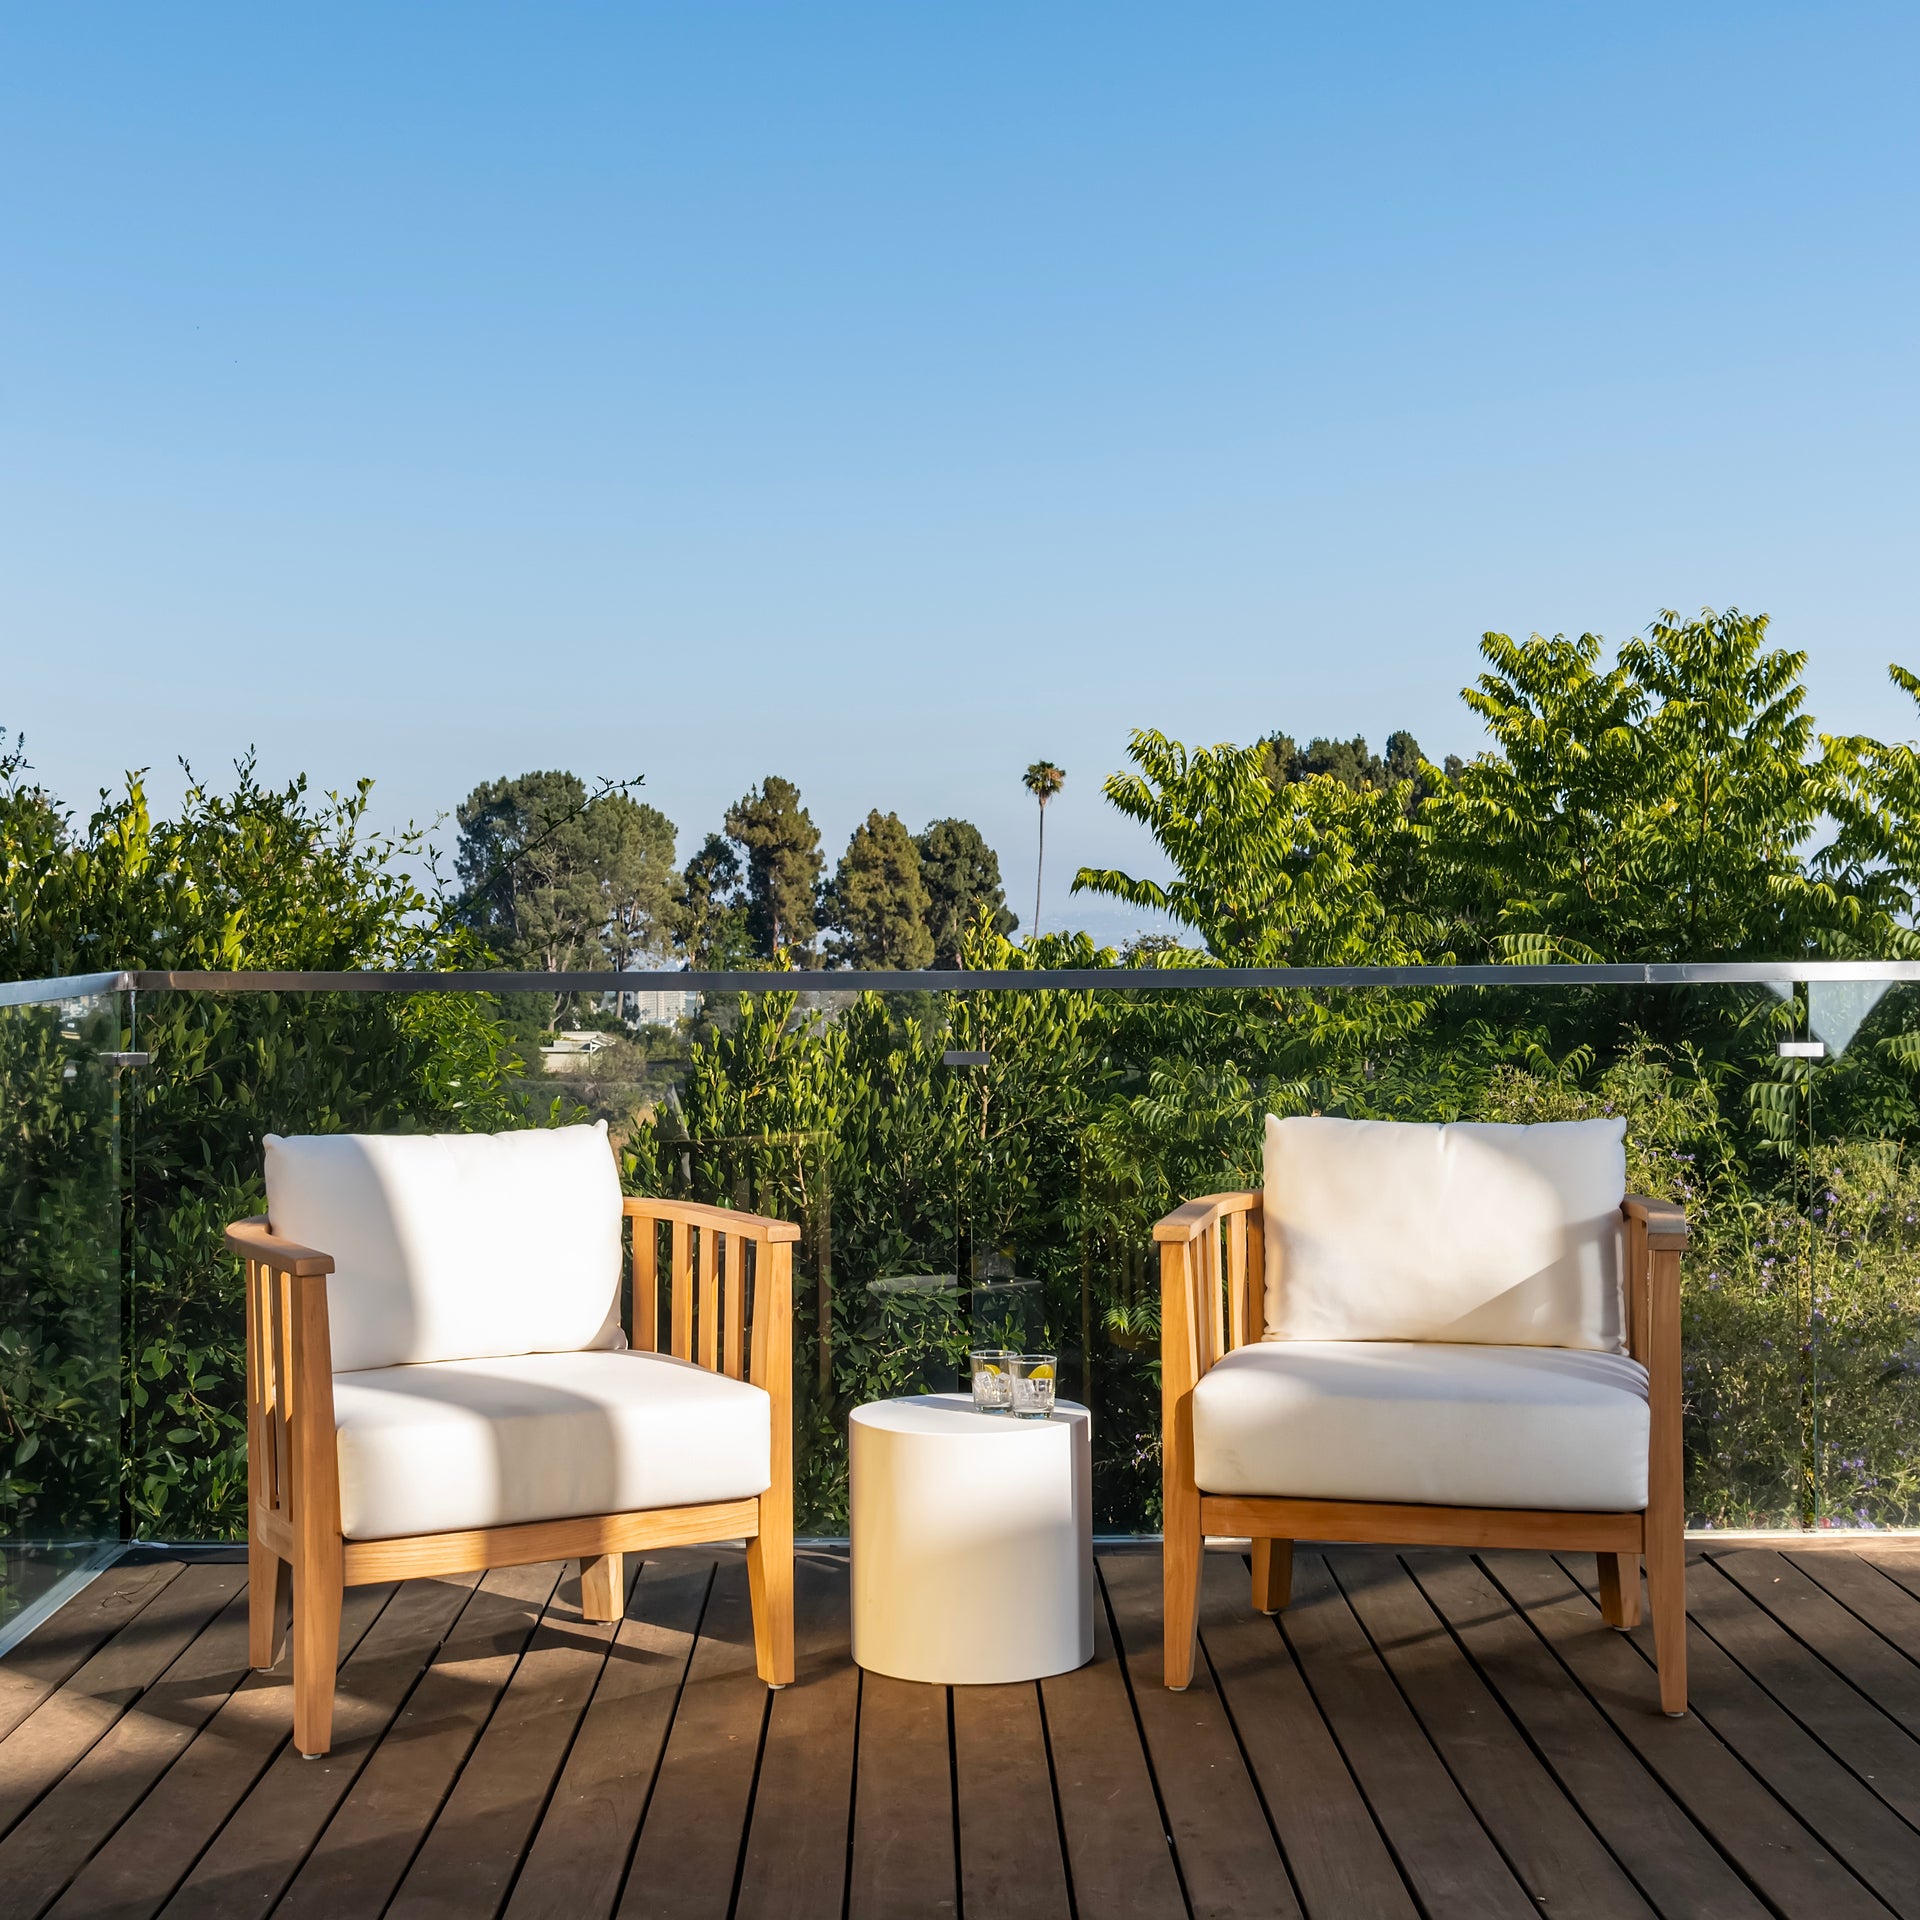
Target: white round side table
column 972, row 1540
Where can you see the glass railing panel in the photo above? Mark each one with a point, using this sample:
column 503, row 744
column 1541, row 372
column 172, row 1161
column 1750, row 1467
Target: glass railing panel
column 985, row 1167
column 1856, row 1112
column 788, row 1175
column 841, row 1113
column 61, row 1069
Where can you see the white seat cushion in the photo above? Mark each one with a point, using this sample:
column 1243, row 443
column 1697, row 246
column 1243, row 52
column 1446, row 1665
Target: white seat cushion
column 1418, row 1421
column 456, row 1246
column 1478, row 1235
column 542, row 1436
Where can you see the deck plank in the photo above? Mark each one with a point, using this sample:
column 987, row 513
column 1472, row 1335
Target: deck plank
column 1546, row 1842
column 1859, row 1827
column 689, row 1850
column 1837, row 1714
column 58, row 1733
column 1229, row 1860
column 1119, row 1858
column 367, row 1846
column 1453, row 1867
column 1810, row 1613
column 1900, row 1563
column 155, row 1847
column 1010, row 1861
column 1672, row 1862
column 1340, row 1863
column 1866, row 1587
column 578, row 1859
column 796, row 1864
column 1797, row 1875
column 903, row 1848
column 60, row 1645
column 472, row 1853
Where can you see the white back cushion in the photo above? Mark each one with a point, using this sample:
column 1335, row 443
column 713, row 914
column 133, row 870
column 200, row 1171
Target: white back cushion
column 456, row 1246
column 1479, row 1234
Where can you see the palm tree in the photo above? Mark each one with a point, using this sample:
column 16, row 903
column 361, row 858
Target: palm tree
column 1043, row 780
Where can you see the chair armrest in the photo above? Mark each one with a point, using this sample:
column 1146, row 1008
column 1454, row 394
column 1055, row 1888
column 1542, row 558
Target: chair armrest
column 1664, row 1220
column 751, row 1226
column 1190, row 1286
column 1189, row 1218
column 254, row 1239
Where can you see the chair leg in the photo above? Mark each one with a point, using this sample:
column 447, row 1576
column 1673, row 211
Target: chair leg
column 770, row 1585
column 1272, row 1575
column 603, row 1587
column 1667, row 1595
column 1180, row 1553
column 269, row 1596
column 1620, row 1589
column 316, row 1658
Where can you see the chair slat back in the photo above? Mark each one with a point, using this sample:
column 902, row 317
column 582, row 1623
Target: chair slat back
column 682, row 1347
column 720, row 1266
column 1637, row 1262
column 708, row 1322
column 646, row 1286
column 1236, row 1300
column 1254, row 1315
column 1235, row 1325
column 733, row 1358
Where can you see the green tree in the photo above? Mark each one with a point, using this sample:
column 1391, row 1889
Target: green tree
column 1873, row 798
column 640, row 891
column 1661, row 808
column 962, row 876
column 878, row 900
column 557, row 879
column 525, row 864
column 1318, row 873
column 1403, row 769
column 1668, row 805
column 1043, row 780
column 1351, row 762
column 783, row 864
column 711, row 925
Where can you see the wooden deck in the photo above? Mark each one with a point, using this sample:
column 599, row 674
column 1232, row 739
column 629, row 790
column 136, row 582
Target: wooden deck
column 1426, row 1734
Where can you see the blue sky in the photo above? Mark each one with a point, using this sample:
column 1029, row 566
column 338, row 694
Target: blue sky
column 890, row 396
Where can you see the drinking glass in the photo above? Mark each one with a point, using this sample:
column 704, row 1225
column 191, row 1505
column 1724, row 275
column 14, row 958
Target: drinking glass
column 1033, row 1378
column 992, row 1379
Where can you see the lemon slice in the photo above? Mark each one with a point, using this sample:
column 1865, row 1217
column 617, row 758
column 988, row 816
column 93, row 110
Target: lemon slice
column 988, row 1367
column 1041, row 1373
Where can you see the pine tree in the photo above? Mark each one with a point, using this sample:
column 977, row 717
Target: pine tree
column 783, row 863
column 879, row 900
column 962, row 875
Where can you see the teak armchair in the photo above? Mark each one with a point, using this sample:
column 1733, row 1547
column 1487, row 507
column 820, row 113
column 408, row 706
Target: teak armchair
column 728, row 1312
column 1213, row 1266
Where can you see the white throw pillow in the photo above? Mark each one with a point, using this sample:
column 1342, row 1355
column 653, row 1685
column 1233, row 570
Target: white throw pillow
column 1471, row 1233
column 456, row 1246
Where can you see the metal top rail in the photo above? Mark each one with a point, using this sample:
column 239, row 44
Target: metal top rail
column 1204, row 979
column 72, row 986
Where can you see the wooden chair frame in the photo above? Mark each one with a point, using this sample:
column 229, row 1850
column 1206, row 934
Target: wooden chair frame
column 725, row 1311
column 1212, row 1300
